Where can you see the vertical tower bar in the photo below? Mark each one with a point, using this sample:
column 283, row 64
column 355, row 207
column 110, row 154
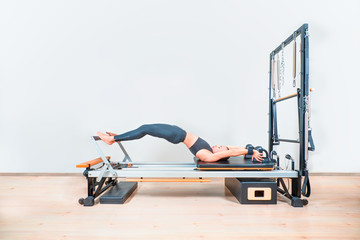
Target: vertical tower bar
column 271, row 117
column 304, row 94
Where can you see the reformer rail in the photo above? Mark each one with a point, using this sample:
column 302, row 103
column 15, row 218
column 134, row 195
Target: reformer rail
column 190, row 172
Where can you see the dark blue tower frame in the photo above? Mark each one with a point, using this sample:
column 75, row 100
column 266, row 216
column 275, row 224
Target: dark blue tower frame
column 304, row 133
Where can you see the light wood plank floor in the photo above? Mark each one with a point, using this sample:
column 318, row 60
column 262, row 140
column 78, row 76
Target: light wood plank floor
column 45, row 207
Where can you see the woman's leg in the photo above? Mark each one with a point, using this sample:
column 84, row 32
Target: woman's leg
column 130, row 135
column 171, row 133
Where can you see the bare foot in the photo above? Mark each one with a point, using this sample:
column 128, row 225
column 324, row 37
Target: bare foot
column 111, row 134
column 107, row 139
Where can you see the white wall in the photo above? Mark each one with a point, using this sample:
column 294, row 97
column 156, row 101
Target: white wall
column 70, row 68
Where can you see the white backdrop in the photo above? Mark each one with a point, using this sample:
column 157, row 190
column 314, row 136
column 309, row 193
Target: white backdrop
column 71, row 68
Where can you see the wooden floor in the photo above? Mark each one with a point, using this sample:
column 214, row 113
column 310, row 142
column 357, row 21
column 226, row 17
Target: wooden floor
column 46, row 207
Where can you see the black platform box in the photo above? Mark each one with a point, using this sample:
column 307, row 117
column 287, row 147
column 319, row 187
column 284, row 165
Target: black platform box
column 253, row 191
column 119, row 193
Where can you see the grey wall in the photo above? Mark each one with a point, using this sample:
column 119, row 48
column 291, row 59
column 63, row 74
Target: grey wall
column 71, row 68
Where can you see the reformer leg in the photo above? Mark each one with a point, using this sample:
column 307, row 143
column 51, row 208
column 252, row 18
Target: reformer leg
column 296, row 186
column 296, row 201
column 95, row 189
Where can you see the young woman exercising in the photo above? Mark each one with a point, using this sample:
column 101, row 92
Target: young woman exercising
column 199, row 147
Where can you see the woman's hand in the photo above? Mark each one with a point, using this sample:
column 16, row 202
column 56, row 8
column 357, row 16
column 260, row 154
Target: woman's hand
column 111, row 134
column 257, row 155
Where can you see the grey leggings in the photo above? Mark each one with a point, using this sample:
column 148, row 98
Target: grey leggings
column 171, row 133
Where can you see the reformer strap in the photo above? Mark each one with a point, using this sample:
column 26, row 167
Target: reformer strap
column 273, row 75
column 306, row 189
column 294, row 60
column 278, row 75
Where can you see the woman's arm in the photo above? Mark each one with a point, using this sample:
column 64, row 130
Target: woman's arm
column 235, row 147
column 207, row 156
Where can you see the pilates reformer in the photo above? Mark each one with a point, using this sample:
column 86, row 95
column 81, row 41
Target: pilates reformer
column 250, row 182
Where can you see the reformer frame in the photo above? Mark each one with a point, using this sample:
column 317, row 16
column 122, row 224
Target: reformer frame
column 128, row 168
column 101, row 174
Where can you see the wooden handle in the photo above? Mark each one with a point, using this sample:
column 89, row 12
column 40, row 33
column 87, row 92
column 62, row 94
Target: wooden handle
column 292, row 95
column 91, row 162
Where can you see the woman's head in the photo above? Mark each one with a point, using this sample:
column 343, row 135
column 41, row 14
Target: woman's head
column 219, row 148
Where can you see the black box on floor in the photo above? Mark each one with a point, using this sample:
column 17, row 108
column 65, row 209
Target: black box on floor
column 119, row 193
column 253, row 191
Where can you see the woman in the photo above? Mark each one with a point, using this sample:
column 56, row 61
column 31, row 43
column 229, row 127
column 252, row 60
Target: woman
column 199, row 147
